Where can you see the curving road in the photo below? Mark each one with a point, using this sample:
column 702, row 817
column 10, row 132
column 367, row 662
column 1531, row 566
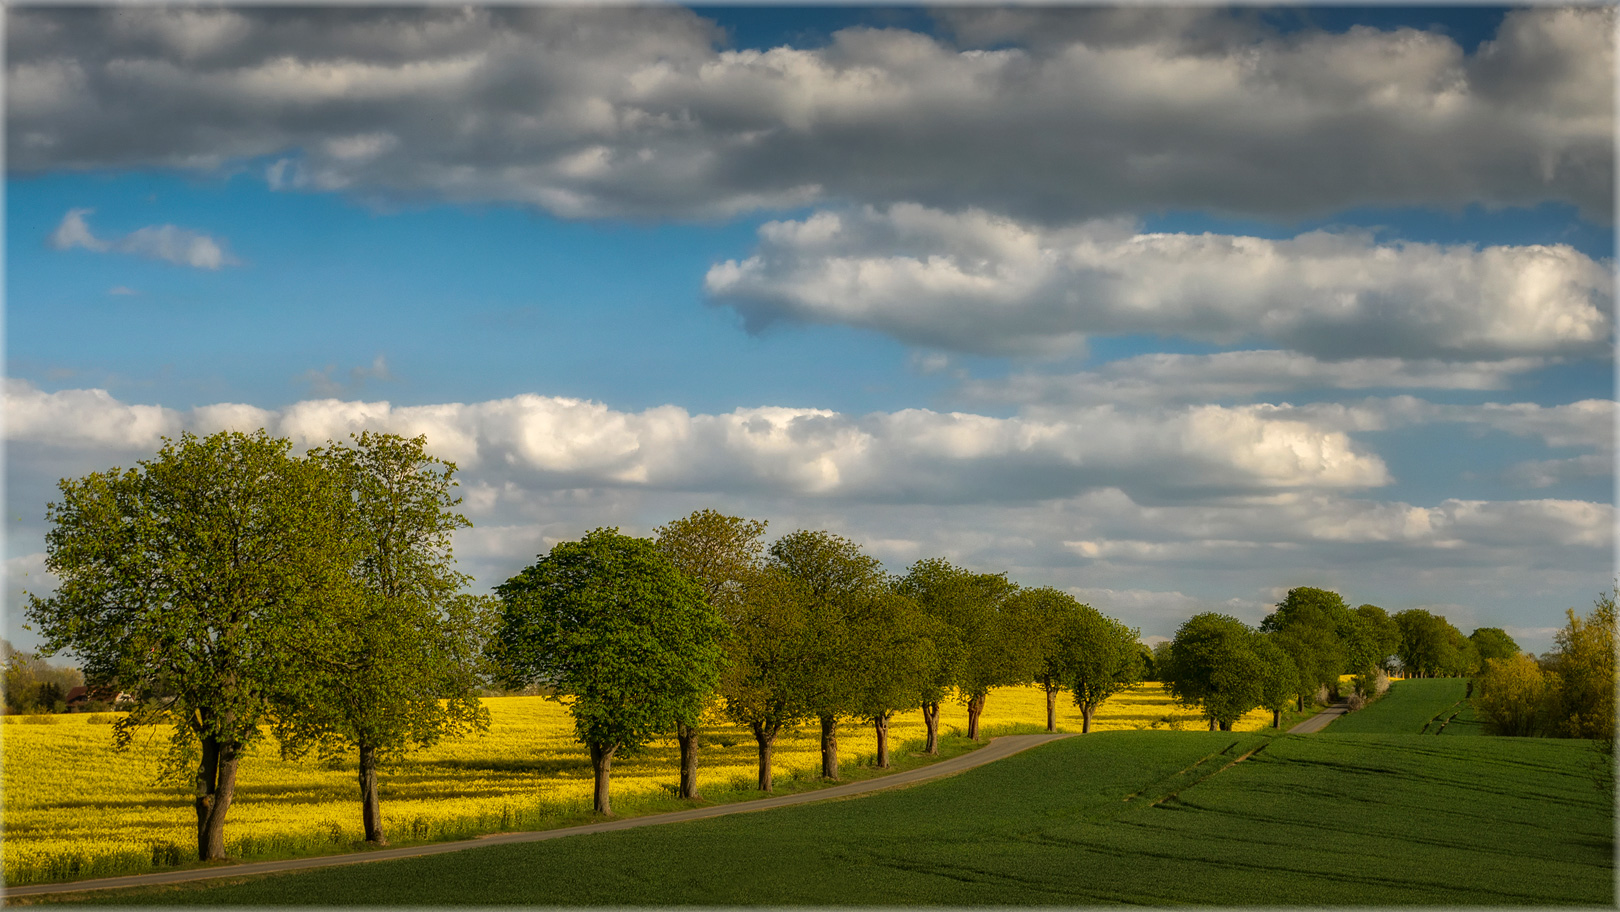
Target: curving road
column 998, row 748
column 1320, row 721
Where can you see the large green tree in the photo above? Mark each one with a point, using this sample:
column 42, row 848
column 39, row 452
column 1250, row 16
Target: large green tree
column 842, row 584
column 193, row 582
column 610, row 622
column 721, row 554
column 1214, row 666
column 1378, row 641
column 902, row 673
column 393, row 664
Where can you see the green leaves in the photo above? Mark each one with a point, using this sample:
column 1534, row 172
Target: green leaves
column 1213, row 664
column 610, row 621
column 193, row 578
column 986, row 641
column 1098, row 656
column 390, row 662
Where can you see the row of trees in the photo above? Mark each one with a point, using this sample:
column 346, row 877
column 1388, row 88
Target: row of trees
column 230, row 586
column 646, row 635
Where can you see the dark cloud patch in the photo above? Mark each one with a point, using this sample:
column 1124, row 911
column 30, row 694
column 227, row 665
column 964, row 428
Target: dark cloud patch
column 1047, row 114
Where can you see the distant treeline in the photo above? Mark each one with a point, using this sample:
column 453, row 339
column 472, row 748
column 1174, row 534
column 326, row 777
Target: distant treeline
column 33, row 685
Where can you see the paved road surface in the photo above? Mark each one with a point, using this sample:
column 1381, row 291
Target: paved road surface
column 1319, row 721
column 998, row 748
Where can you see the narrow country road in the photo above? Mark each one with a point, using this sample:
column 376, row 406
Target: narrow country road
column 1320, row 721
column 997, row 749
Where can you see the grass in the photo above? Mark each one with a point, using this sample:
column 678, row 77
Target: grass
column 1115, row 817
column 1413, row 706
column 75, row 809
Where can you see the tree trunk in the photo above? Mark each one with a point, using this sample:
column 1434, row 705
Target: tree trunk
column 1051, row 707
column 689, row 750
column 1085, row 719
column 1276, row 718
column 1301, row 705
column 602, row 762
column 370, row 807
column 1226, row 726
column 975, row 707
column 216, row 786
column 1211, row 723
column 931, row 721
column 765, row 737
column 881, row 723
column 829, row 747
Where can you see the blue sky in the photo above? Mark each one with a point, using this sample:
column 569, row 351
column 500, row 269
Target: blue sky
column 1175, row 309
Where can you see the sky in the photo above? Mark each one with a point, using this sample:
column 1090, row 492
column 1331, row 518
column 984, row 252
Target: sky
column 1173, row 308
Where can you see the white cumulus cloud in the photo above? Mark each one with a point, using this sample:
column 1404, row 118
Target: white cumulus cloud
column 169, row 243
column 913, row 455
column 978, row 282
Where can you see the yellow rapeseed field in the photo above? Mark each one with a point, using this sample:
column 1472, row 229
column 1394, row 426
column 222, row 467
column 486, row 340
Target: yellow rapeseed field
column 74, row 808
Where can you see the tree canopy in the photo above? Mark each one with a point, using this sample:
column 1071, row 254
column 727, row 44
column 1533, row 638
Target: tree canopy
column 1493, row 643
column 1320, row 635
column 989, row 649
column 1432, row 647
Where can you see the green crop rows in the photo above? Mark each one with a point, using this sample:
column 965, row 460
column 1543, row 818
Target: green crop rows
column 1116, row 817
column 1414, row 706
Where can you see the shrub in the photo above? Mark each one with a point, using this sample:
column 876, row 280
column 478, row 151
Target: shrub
column 1355, row 702
column 1512, row 695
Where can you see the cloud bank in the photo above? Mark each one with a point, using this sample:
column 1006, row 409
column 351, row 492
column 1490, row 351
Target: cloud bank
column 909, row 456
column 638, row 111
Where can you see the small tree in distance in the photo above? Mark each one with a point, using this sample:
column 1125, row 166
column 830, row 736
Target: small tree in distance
column 1213, row 666
column 1100, row 658
column 1278, row 677
column 609, row 621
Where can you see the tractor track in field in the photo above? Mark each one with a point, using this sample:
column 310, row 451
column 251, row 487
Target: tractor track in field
column 998, row 748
